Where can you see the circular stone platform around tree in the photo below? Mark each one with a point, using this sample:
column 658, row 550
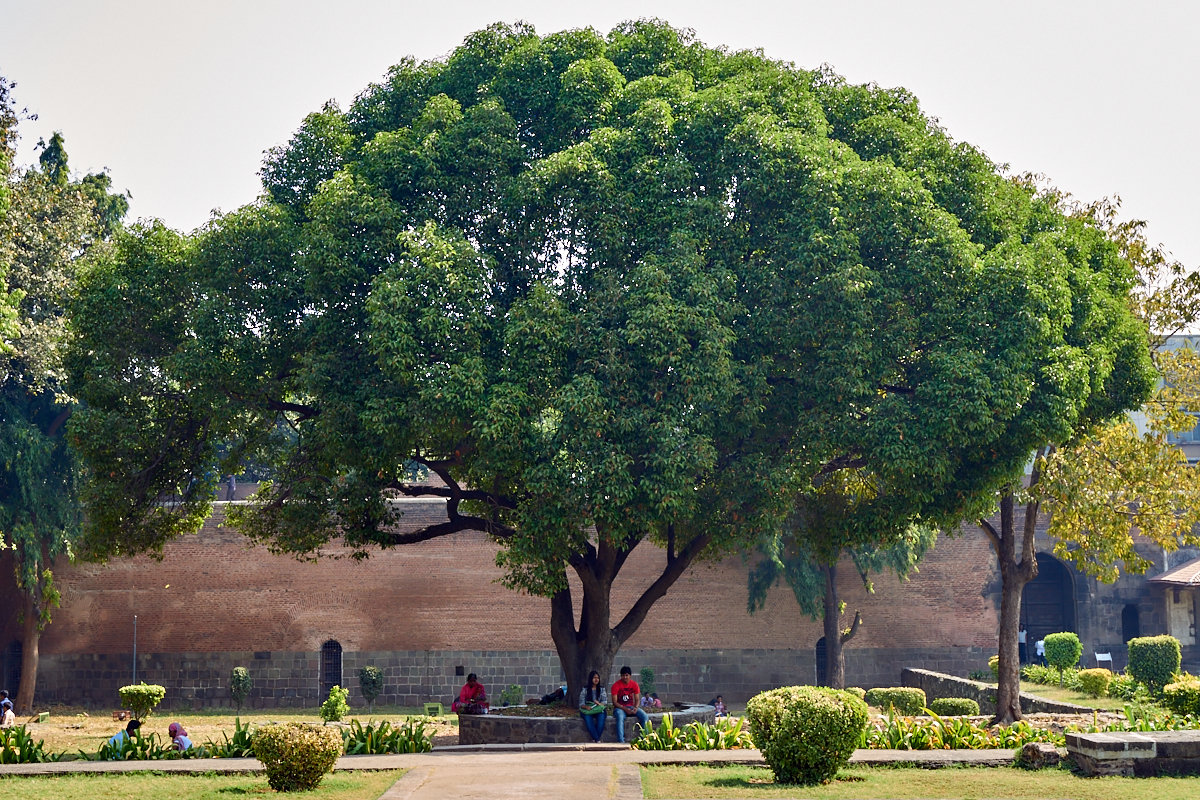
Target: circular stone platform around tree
column 509, row 729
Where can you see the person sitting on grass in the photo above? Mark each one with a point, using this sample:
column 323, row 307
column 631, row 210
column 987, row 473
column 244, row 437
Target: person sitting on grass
column 179, row 737
column 472, row 699
column 119, row 738
column 718, row 705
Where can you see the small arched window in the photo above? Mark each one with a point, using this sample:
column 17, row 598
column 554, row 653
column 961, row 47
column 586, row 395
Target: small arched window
column 331, row 667
column 1131, row 623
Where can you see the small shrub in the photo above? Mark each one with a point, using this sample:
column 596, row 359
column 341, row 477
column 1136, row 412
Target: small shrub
column 857, row 691
column 240, row 684
column 1063, row 651
column 411, row 737
column 806, row 733
column 296, row 757
column 646, row 681
column 511, row 696
column 1183, row 696
column 1154, row 660
column 240, row 746
column 141, row 699
column 370, row 681
column 1095, row 682
column 18, row 747
column 994, row 666
column 1125, row 687
column 954, row 707
column 665, row 737
column 904, row 699
column 139, row 747
column 335, row 707
column 723, row 734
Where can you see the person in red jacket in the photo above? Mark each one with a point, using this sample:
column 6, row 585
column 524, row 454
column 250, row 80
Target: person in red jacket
column 627, row 699
column 472, row 699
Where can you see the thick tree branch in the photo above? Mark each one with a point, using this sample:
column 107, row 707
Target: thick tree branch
column 637, row 614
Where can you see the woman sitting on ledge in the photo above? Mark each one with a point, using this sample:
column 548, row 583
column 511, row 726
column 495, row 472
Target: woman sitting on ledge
column 472, row 699
column 593, row 706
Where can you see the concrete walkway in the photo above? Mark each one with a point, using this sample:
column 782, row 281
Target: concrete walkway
column 508, row 772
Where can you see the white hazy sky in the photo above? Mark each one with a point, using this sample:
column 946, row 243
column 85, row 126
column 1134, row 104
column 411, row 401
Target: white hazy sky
column 180, row 99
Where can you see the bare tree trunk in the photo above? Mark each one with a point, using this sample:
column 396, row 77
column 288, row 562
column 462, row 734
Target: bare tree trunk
column 835, row 637
column 835, row 665
column 31, row 636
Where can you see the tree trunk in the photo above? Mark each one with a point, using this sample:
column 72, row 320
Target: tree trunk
column 1015, row 572
column 835, row 664
column 31, row 636
column 835, row 637
column 595, row 643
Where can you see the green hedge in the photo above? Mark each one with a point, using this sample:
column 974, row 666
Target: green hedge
column 954, row 707
column 1154, row 660
column 904, row 699
column 806, row 733
column 1183, row 696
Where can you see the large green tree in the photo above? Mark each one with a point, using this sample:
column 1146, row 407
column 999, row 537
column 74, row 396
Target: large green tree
column 608, row 290
column 50, row 224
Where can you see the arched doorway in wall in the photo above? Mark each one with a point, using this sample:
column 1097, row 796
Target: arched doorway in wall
column 1131, row 622
column 331, row 667
column 822, row 671
column 1048, row 602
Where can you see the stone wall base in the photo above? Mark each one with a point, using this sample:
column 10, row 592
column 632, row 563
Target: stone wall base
column 412, row 677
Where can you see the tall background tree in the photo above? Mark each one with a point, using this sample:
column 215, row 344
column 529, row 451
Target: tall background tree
column 609, row 290
column 1103, row 480
column 806, row 551
column 50, row 224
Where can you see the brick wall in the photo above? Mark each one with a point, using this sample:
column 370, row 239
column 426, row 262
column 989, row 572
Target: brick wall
column 214, row 602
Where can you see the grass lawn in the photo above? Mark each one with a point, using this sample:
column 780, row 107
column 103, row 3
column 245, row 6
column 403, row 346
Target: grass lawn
column 138, row 785
column 72, row 729
column 865, row 783
column 1069, row 696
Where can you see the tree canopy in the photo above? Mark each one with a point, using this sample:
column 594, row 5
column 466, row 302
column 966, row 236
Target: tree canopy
column 50, row 224
column 607, row 289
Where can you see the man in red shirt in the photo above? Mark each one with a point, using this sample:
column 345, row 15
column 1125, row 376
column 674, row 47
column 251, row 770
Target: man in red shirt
column 627, row 698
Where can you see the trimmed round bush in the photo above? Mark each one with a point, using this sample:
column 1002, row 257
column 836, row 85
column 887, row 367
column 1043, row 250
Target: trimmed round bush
column 994, row 666
column 1063, row 650
column 806, row 733
column 954, row 707
column 857, row 691
column 1154, row 660
column 905, row 699
column 296, row 756
column 1095, row 682
column 1183, row 696
column 141, row 698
